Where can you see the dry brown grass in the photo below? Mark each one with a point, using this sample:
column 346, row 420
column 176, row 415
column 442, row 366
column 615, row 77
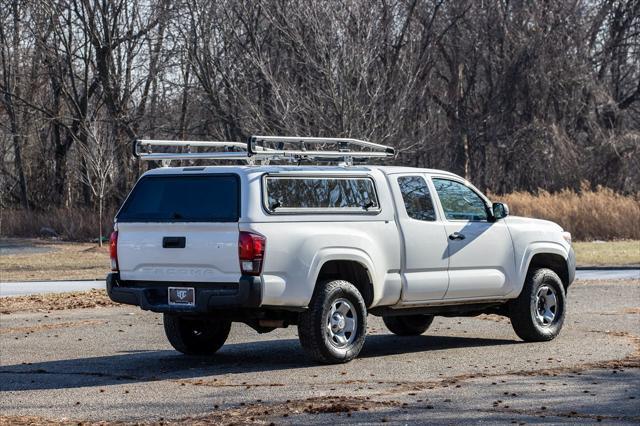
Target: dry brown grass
column 599, row 253
column 589, row 215
column 69, row 224
column 64, row 261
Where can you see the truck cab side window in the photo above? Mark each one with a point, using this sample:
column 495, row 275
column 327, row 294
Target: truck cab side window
column 322, row 193
column 417, row 199
column 460, row 202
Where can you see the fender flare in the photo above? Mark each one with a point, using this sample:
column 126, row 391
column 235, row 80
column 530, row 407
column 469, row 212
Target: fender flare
column 537, row 247
column 327, row 254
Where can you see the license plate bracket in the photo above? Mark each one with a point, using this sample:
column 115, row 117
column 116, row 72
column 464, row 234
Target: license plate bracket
column 182, row 296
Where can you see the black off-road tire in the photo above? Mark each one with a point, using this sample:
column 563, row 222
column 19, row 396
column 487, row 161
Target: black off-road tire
column 408, row 325
column 313, row 324
column 196, row 336
column 523, row 310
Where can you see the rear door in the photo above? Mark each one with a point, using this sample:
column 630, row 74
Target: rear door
column 425, row 259
column 180, row 228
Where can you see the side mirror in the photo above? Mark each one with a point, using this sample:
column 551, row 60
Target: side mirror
column 500, row 210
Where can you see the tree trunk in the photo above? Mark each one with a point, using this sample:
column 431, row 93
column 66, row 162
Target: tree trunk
column 14, row 90
column 100, row 206
column 24, row 200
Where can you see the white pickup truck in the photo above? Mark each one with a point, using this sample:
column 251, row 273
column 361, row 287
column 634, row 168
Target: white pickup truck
column 323, row 246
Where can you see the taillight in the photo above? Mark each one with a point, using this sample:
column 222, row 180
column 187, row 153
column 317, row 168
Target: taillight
column 251, row 252
column 113, row 250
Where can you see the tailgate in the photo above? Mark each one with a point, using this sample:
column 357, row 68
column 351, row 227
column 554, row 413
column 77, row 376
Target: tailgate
column 154, row 252
column 180, row 228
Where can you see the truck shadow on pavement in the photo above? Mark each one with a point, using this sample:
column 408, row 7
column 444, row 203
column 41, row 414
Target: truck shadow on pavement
column 159, row 365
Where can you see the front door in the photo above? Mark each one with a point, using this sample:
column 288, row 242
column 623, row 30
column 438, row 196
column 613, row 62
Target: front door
column 424, row 271
column 481, row 259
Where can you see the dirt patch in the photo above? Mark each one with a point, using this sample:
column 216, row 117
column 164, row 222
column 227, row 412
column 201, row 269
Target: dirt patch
column 250, row 413
column 55, row 302
column 605, row 282
column 217, row 383
column 563, row 414
column 259, row 413
column 39, row 421
column 492, row 317
column 31, row 420
column 53, row 326
column 630, row 361
column 333, row 404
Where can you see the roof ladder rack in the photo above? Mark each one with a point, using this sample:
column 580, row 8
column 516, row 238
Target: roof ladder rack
column 264, row 149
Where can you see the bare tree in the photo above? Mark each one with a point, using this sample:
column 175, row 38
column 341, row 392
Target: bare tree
column 100, row 157
column 513, row 95
column 11, row 85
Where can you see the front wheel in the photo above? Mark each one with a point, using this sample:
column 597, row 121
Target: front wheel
column 537, row 315
column 196, row 336
column 333, row 329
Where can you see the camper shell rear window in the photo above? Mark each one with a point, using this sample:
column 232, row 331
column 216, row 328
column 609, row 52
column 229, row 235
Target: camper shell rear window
column 183, row 198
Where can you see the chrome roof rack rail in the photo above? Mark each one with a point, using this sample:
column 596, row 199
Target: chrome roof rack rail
column 265, row 149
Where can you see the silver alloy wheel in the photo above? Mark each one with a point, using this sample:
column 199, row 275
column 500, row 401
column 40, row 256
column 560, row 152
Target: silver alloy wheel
column 546, row 307
column 342, row 323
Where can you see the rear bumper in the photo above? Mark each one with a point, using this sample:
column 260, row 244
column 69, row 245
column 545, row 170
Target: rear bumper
column 209, row 297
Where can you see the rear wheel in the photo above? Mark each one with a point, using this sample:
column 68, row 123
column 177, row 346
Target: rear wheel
column 334, row 327
column 196, row 336
column 408, row 325
column 537, row 315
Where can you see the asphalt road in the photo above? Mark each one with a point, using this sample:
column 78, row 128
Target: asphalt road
column 612, row 274
column 39, row 287
column 115, row 364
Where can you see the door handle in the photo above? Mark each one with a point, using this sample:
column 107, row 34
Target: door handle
column 456, row 236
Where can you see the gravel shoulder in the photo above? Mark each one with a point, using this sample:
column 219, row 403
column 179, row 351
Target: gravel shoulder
column 113, row 364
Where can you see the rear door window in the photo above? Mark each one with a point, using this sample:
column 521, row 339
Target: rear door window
column 416, row 197
column 210, row 198
column 320, row 194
